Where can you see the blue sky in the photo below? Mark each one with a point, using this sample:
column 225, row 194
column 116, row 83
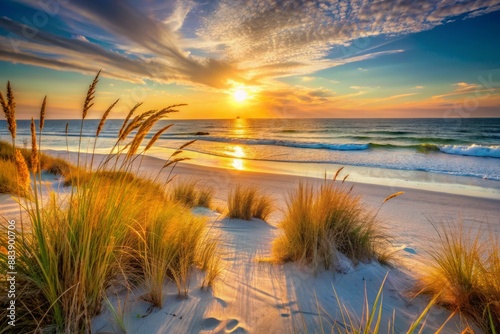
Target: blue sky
column 291, row 58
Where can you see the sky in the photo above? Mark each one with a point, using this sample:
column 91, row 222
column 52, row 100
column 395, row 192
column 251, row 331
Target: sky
column 260, row 58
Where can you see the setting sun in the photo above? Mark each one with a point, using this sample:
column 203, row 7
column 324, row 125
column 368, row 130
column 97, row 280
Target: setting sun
column 240, row 95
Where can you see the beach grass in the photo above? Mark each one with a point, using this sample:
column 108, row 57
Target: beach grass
column 8, row 182
column 246, row 202
column 9, row 167
column 192, row 193
column 114, row 228
column 321, row 221
column 464, row 275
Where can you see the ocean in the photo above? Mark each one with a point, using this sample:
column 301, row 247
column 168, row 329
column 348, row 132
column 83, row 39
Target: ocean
column 466, row 147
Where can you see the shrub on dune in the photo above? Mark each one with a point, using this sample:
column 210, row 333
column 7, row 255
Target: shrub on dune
column 192, row 193
column 10, row 158
column 245, row 202
column 464, row 275
column 321, row 221
column 205, row 196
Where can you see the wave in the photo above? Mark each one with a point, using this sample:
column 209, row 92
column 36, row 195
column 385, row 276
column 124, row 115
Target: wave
column 469, row 150
column 443, row 145
column 428, row 169
column 472, row 150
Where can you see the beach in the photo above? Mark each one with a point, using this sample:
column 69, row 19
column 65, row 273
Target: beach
column 252, row 295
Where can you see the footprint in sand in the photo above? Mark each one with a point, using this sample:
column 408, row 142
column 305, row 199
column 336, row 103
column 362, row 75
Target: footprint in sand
column 232, row 327
column 231, row 324
column 209, row 323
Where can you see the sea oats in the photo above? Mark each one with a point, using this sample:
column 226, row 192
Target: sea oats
column 42, row 113
column 9, row 110
column 103, row 119
column 34, row 149
column 152, row 117
column 187, row 144
column 156, row 137
column 4, row 105
column 22, row 170
column 136, row 122
column 6, row 110
column 168, row 163
column 128, row 118
column 90, row 96
column 141, row 133
column 176, row 152
column 393, row 195
column 337, row 173
column 10, row 98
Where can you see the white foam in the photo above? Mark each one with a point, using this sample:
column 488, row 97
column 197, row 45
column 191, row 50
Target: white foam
column 472, row 150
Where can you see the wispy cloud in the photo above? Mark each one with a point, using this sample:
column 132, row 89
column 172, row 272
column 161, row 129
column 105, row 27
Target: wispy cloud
column 236, row 41
column 393, row 97
column 362, row 87
column 461, row 88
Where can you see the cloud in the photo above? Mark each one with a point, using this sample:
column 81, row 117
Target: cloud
column 460, row 89
column 464, row 86
column 234, row 40
column 419, row 87
column 394, row 97
column 49, row 50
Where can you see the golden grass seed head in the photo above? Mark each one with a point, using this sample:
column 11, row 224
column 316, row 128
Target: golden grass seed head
column 34, row 148
column 22, row 170
column 104, row 117
column 9, row 111
column 90, row 96
column 393, row 195
column 10, row 97
column 42, row 113
column 128, row 118
column 156, row 137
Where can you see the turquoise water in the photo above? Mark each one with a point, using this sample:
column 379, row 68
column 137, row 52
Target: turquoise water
column 459, row 147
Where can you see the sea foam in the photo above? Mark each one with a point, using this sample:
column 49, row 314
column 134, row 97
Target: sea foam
column 472, row 150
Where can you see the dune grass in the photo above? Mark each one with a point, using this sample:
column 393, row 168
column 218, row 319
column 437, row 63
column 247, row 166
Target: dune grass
column 114, row 228
column 245, row 202
column 464, row 275
column 9, row 167
column 321, row 221
column 192, row 193
column 8, row 181
column 370, row 322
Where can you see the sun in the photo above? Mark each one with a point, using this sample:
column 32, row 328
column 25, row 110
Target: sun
column 240, row 95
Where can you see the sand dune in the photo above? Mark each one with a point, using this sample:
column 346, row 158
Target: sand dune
column 254, row 296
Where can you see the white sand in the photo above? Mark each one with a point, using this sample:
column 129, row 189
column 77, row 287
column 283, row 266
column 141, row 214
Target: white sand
column 256, row 297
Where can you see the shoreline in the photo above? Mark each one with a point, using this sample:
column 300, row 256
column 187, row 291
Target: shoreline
column 410, row 179
column 414, row 208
